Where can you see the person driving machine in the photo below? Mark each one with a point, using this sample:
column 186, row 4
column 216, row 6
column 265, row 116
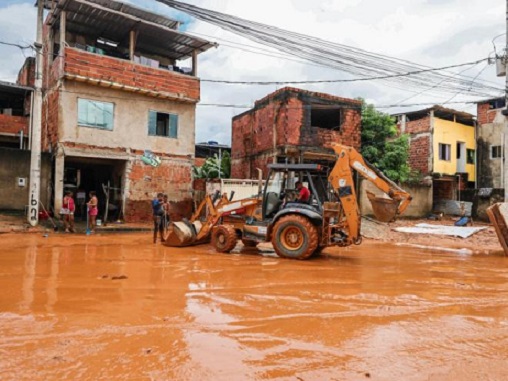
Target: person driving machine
column 304, row 193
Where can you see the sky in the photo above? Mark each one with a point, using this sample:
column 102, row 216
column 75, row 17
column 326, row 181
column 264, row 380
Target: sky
column 434, row 33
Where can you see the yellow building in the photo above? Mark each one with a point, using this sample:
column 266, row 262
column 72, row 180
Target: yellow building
column 454, row 148
column 442, row 147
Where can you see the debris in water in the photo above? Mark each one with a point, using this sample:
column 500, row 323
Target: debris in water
column 117, row 277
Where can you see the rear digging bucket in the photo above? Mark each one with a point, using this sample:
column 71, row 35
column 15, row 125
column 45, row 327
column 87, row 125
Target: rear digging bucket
column 384, row 209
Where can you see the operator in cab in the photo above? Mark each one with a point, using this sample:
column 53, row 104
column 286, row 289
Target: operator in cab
column 304, row 193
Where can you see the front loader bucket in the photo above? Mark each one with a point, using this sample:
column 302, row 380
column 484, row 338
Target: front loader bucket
column 385, row 209
column 184, row 233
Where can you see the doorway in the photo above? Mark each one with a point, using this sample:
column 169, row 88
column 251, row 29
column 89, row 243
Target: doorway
column 82, row 175
column 461, row 157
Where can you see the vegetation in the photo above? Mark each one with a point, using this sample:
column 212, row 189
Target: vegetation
column 383, row 147
column 214, row 168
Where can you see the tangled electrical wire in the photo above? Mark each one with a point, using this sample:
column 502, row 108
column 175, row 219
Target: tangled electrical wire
column 352, row 60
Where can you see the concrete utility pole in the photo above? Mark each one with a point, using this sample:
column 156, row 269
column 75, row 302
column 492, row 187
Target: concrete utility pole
column 35, row 158
column 505, row 130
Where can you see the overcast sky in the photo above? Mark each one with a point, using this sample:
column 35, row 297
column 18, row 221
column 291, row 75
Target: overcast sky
column 430, row 32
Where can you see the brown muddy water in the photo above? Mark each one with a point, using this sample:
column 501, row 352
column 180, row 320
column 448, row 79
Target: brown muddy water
column 117, row 307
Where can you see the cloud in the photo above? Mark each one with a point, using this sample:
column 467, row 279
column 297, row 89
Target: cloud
column 431, row 32
column 18, row 26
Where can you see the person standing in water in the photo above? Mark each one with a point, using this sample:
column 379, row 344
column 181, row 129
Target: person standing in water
column 93, row 210
column 158, row 216
column 70, row 207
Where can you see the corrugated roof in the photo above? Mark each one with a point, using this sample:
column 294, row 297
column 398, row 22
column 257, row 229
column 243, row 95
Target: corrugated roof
column 114, row 20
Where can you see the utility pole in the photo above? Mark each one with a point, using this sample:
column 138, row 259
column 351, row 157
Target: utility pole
column 35, row 154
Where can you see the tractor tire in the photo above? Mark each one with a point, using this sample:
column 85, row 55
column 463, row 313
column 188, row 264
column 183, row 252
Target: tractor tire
column 295, row 237
column 249, row 243
column 224, row 238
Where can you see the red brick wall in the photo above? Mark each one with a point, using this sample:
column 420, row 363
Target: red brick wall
column 26, row 75
column 419, row 152
column 419, row 146
column 485, row 114
column 50, row 107
column 252, row 136
column 79, row 62
column 418, row 126
column 171, row 177
column 13, row 124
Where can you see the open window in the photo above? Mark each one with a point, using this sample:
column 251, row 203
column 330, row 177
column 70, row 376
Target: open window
column 496, row 152
column 163, row 124
column 325, row 116
column 445, row 151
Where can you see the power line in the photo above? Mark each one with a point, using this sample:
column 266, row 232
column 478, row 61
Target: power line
column 338, row 56
column 22, row 47
column 344, row 80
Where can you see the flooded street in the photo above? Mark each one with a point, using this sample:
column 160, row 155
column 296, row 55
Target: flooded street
column 117, row 307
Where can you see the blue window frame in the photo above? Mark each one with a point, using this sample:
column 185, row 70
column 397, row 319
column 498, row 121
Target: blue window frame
column 162, row 124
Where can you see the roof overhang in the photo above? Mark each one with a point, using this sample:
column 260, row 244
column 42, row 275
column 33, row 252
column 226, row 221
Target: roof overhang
column 442, row 113
column 114, row 20
column 13, row 89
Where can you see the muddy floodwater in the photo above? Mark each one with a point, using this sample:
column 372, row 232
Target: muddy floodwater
column 117, row 307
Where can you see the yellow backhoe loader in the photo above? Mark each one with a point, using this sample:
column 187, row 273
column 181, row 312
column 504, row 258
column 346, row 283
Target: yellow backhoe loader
column 331, row 217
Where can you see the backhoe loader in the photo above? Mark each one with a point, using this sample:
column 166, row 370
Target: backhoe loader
column 331, row 216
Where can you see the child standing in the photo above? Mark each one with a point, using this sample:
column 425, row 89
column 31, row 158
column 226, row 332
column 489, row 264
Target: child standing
column 93, row 210
column 70, row 207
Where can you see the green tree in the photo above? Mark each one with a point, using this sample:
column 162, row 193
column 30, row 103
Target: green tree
column 382, row 146
column 214, row 168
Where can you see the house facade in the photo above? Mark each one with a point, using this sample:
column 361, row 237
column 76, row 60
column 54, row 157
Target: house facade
column 292, row 125
column 118, row 111
column 491, row 140
column 15, row 111
column 442, row 148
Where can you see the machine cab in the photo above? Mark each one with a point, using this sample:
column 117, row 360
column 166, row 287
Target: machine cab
column 280, row 188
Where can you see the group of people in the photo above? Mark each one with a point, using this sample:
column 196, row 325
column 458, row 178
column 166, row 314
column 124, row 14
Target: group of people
column 160, row 210
column 69, row 208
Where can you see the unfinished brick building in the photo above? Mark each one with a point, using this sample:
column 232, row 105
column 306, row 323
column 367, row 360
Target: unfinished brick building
column 292, row 125
column 114, row 95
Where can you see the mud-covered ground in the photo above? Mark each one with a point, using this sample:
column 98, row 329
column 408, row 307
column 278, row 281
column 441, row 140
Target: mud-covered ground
column 117, row 307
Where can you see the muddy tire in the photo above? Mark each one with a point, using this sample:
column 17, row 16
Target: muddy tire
column 224, row 238
column 249, row 243
column 295, row 237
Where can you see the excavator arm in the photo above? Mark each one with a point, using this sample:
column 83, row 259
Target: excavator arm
column 341, row 179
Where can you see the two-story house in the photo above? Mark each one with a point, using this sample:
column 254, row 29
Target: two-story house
column 118, row 106
column 292, row 125
column 442, row 146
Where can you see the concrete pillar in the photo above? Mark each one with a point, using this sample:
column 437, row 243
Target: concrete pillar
column 59, row 180
column 195, row 63
column 132, row 44
column 504, row 163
